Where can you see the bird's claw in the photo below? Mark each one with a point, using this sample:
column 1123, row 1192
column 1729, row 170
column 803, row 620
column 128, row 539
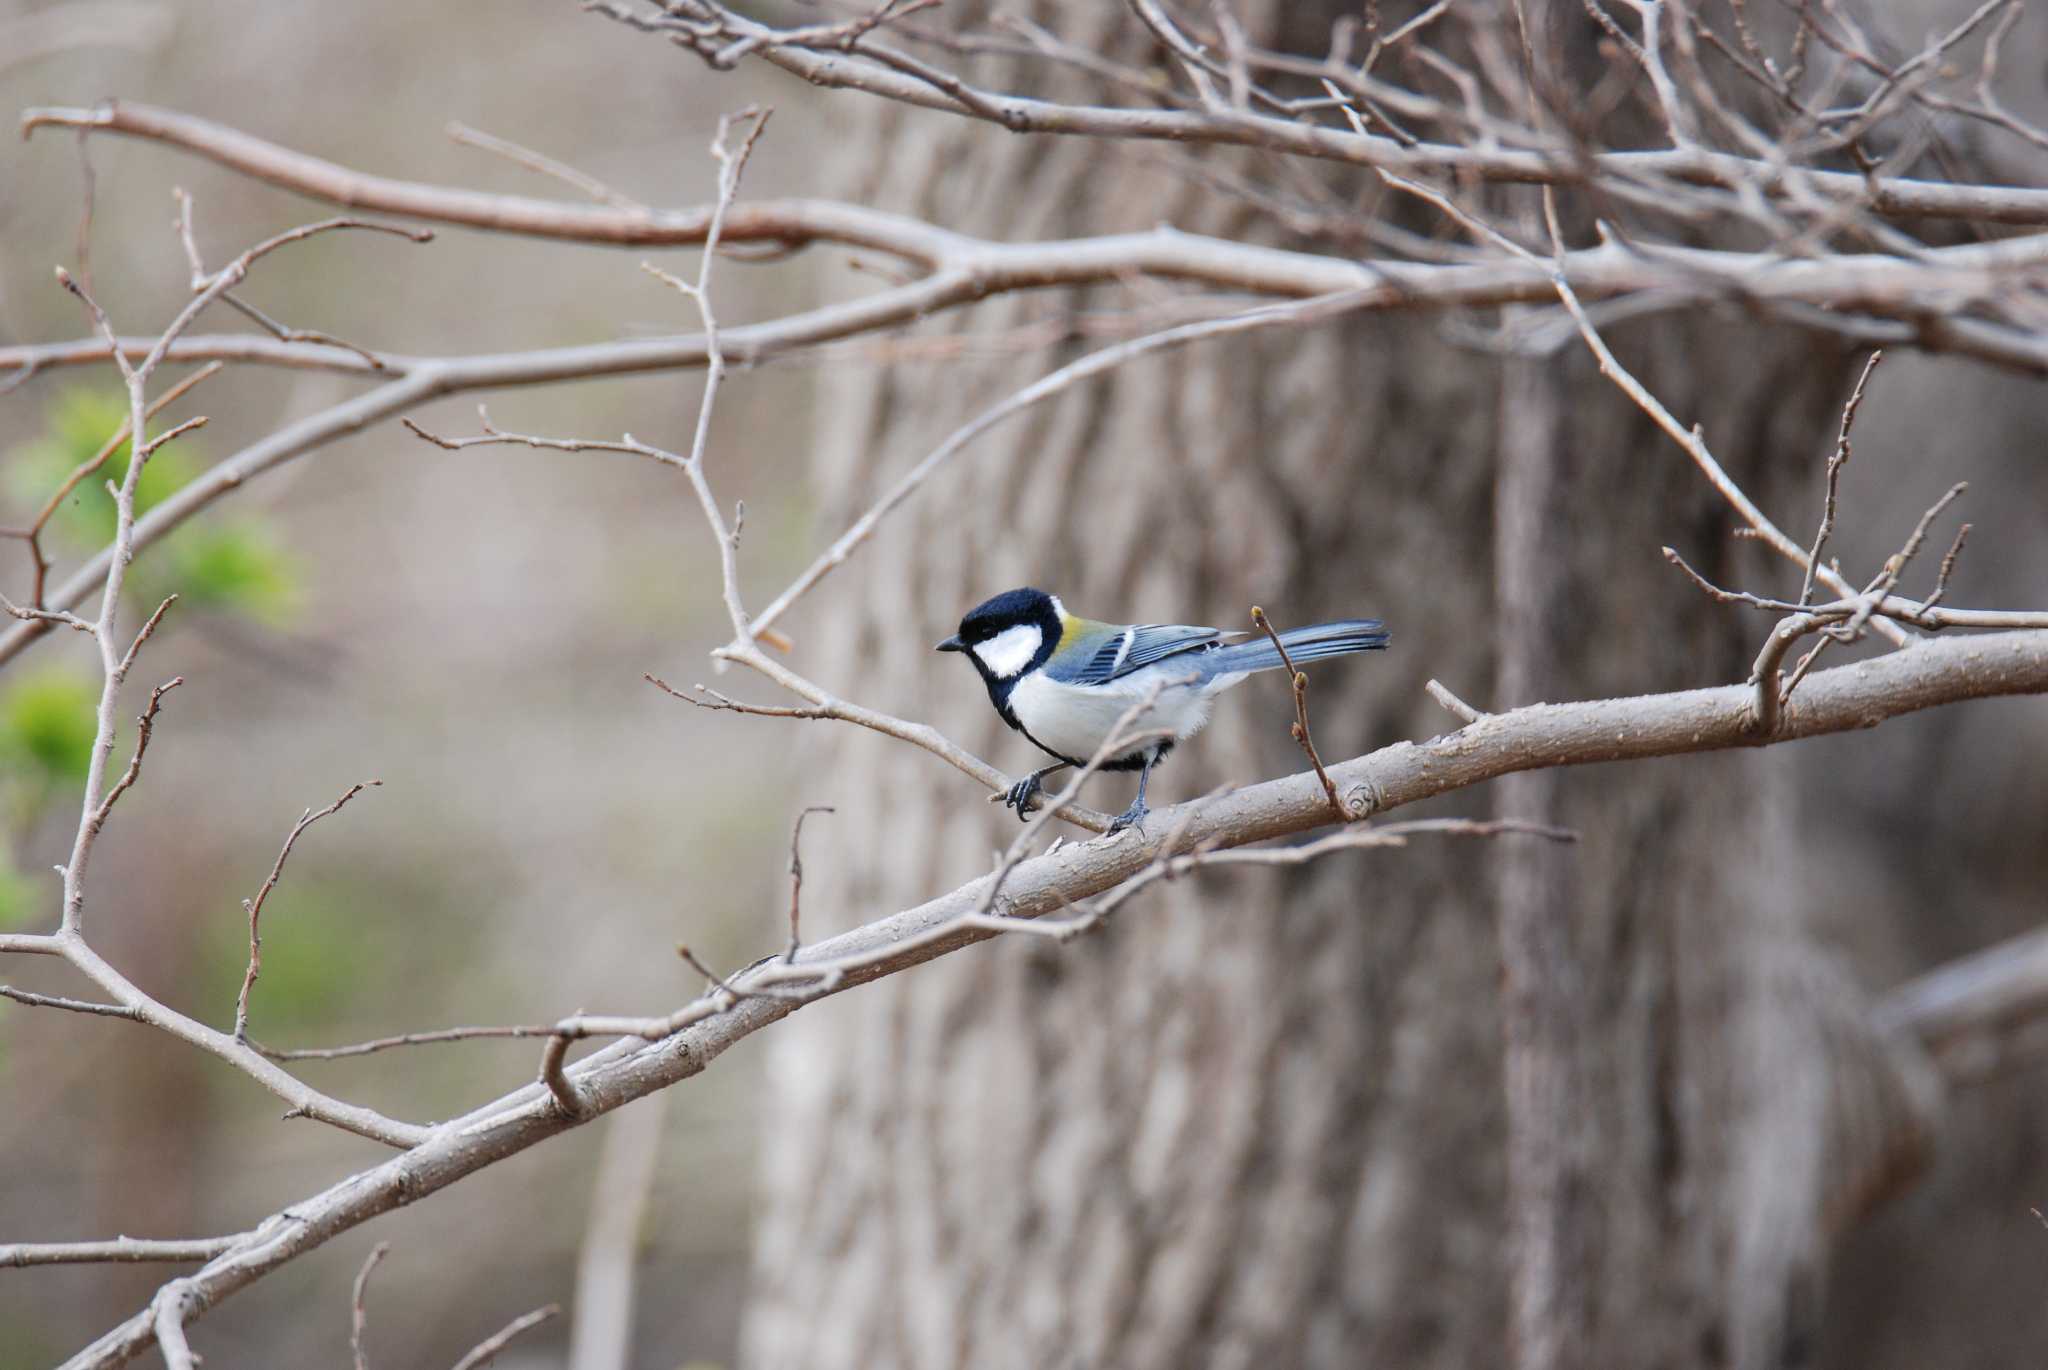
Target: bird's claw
column 1133, row 817
column 1020, row 796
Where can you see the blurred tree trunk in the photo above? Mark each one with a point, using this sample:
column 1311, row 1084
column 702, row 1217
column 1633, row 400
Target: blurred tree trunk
column 1595, row 1105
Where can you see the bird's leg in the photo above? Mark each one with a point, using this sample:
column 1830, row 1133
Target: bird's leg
column 1134, row 816
column 1020, row 795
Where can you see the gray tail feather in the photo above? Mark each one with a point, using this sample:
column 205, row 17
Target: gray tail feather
column 1312, row 643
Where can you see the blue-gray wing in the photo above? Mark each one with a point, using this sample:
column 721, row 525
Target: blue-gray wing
column 1101, row 660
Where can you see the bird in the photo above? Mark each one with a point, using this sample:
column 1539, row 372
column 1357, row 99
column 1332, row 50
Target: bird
column 1064, row 681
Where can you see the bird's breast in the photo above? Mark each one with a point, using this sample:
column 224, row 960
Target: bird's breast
column 1075, row 720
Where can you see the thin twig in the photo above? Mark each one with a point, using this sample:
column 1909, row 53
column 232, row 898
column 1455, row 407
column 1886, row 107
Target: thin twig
column 485, row 1351
column 404, row 1039
column 796, row 872
column 22, row 996
column 559, row 1086
column 1300, row 729
column 254, row 907
column 145, row 726
column 1457, row 707
column 545, row 165
column 287, row 334
column 717, row 702
column 1948, row 565
column 1834, row 476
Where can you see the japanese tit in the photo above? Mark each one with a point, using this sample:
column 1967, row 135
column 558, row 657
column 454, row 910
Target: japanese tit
column 1064, row 681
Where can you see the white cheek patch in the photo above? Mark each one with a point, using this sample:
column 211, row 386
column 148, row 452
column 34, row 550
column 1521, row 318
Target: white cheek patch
column 1011, row 650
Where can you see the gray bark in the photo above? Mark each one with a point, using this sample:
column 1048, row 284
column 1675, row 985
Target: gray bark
column 1415, row 1109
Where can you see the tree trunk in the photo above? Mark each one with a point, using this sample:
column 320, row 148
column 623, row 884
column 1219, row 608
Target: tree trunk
column 1590, row 1104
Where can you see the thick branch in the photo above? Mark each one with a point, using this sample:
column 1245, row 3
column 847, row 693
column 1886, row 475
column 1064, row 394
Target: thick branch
column 1848, row 697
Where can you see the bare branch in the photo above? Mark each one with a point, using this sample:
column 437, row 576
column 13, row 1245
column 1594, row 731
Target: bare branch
column 22, row 996
column 144, row 726
column 485, row 1351
column 545, row 165
column 1457, row 707
column 119, row 1251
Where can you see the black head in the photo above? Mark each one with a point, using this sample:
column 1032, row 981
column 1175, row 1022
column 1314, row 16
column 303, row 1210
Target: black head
column 1007, row 635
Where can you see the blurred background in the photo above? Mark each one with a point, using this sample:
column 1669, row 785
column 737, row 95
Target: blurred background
column 471, row 629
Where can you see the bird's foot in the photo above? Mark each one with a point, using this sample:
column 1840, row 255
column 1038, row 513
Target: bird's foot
column 1023, row 795
column 1133, row 817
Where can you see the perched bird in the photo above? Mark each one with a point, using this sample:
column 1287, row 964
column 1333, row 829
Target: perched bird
column 1064, row 681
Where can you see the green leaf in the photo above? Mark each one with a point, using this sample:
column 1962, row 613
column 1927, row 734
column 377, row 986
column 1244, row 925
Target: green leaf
column 47, row 724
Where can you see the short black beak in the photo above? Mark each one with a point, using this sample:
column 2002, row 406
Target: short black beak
column 951, row 644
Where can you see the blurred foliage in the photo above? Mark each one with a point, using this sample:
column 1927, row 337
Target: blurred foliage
column 17, row 895
column 316, row 957
column 235, row 566
column 46, row 735
column 47, row 727
column 231, row 565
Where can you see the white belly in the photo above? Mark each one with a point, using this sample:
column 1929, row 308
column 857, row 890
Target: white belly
column 1075, row 720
